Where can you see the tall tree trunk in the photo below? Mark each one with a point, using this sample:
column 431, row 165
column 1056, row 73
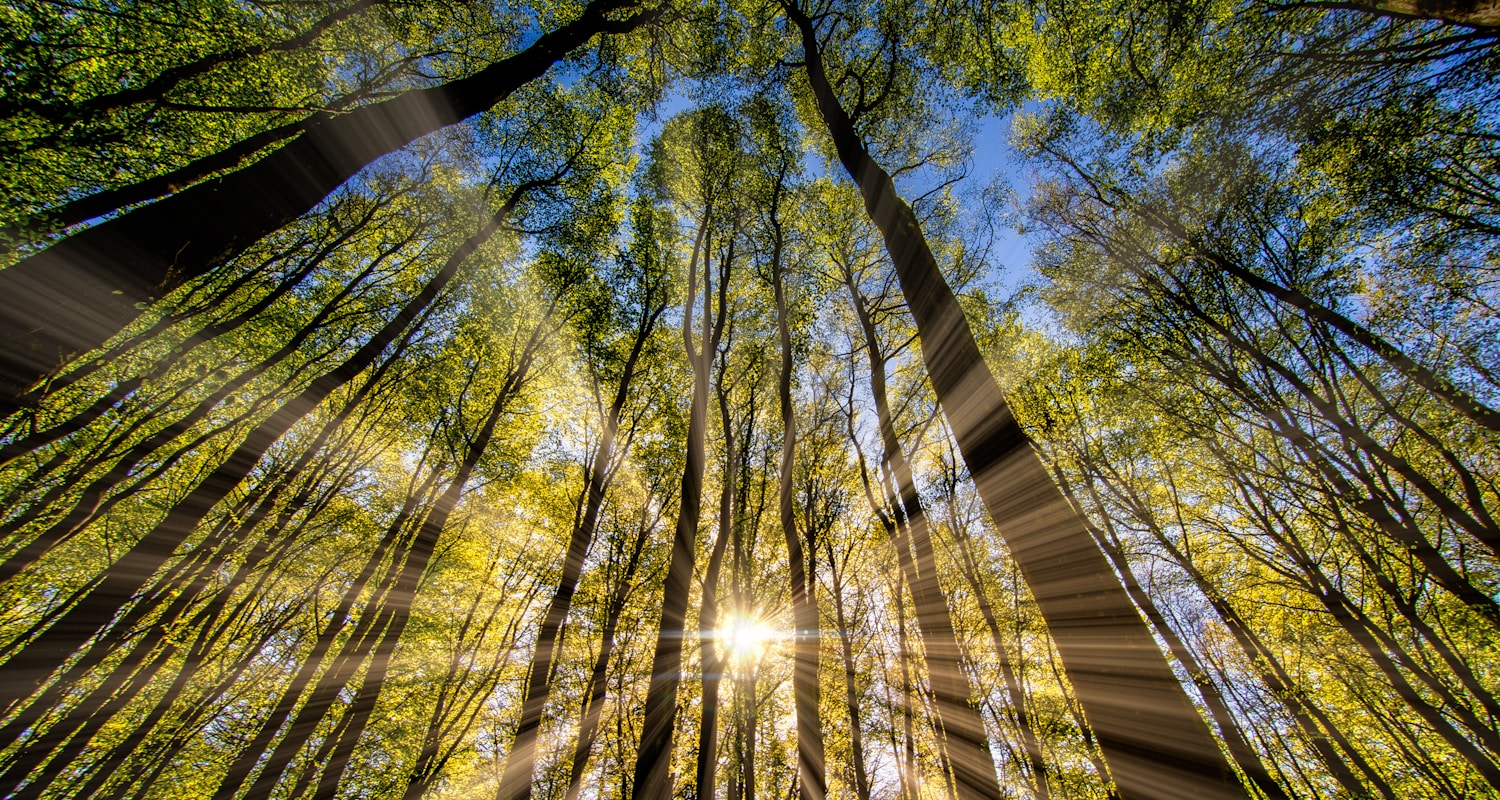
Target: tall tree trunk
column 811, row 768
column 390, row 611
column 73, row 296
column 712, row 658
column 969, row 566
column 593, row 702
column 1153, row 738
column 1240, row 750
column 911, row 771
column 652, row 778
column 851, row 674
column 746, row 687
column 520, row 764
column 960, row 727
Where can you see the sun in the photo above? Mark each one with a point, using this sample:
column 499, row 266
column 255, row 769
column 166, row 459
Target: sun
column 748, row 636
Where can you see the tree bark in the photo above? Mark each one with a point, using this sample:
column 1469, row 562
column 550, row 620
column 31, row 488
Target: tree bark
column 593, row 702
column 958, row 724
column 969, row 565
column 520, row 764
column 418, row 555
column 652, row 778
column 812, row 781
column 851, row 674
column 1240, row 750
column 712, row 658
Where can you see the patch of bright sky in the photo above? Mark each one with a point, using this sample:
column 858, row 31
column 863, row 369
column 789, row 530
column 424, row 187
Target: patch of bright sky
column 995, row 161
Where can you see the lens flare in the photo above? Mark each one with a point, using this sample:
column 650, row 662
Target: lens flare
column 748, row 637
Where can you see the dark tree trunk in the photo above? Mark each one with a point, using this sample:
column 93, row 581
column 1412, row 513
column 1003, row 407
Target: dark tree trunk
column 712, row 658
column 515, row 783
column 1240, row 750
column 911, row 771
column 652, row 778
column 959, row 725
column 593, row 702
column 382, row 621
column 1155, row 742
column 969, row 565
column 812, row 781
column 851, row 674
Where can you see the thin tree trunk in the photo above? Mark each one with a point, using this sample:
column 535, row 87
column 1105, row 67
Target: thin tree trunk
column 960, row 726
column 911, row 771
column 652, row 779
column 713, row 661
column 390, row 609
column 1440, row 387
column 746, row 681
column 1153, row 738
column 1240, row 750
column 593, row 702
column 970, row 567
column 520, row 764
column 811, row 767
column 851, row 690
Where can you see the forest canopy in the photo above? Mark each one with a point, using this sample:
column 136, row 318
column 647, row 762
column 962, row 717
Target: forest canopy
column 656, row 399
